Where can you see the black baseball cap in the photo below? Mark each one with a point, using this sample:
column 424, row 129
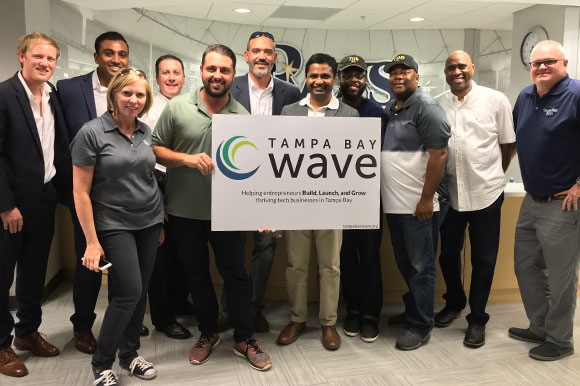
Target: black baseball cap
column 352, row 61
column 402, row 59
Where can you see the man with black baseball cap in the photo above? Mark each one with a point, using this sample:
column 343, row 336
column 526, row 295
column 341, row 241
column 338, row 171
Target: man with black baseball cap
column 403, row 60
column 412, row 165
column 360, row 260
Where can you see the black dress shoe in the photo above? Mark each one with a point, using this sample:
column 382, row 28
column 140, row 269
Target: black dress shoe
column 175, row 331
column 446, row 316
column 475, row 336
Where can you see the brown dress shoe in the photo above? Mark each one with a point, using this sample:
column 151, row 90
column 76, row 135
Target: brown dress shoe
column 144, row 330
column 35, row 343
column 85, row 342
column 290, row 333
column 330, row 338
column 260, row 322
column 11, row 364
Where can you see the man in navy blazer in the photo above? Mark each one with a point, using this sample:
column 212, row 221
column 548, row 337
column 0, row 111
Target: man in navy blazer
column 261, row 56
column 84, row 98
column 35, row 169
column 261, row 94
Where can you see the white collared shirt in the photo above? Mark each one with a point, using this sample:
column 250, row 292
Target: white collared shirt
column 261, row 100
column 100, row 93
column 321, row 111
column 152, row 117
column 474, row 163
column 44, row 125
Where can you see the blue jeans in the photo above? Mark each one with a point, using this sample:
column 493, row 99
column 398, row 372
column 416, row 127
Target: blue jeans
column 415, row 247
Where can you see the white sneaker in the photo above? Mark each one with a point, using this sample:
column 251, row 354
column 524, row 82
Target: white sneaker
column 140, row 368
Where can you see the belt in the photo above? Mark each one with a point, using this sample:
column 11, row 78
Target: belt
column 547, row 198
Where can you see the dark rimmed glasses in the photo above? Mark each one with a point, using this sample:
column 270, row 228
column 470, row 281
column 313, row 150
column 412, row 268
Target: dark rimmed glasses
column 547, row 63
column 258, row 34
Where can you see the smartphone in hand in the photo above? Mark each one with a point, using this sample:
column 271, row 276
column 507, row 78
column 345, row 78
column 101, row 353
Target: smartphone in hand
column 103, row 264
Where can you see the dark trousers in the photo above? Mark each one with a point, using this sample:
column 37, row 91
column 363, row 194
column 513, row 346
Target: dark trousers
column 360, row 271
column 132, row 254
column 415, row 247
column 262, row 259
column 168, row 285
column 28, row 251
column 484, row 231
column 86, row 285
column 191, row 239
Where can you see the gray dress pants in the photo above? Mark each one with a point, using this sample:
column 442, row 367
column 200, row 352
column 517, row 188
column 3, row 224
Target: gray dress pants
column 546, row 262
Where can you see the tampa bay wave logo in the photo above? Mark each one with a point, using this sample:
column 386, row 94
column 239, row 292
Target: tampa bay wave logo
column 226, row 158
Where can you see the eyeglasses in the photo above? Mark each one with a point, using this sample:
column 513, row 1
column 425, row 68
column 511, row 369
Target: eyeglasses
column 127, row 71
column 258, row 34
column 353, row 75
column 547, row 63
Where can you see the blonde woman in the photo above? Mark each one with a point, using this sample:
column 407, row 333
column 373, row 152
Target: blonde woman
column 120, row 209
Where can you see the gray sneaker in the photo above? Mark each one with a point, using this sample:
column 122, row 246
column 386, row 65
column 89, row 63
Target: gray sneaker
column 549, row 351
column 525, row 335
column 411, row 340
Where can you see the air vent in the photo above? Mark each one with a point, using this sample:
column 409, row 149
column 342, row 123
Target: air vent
column 304, row 13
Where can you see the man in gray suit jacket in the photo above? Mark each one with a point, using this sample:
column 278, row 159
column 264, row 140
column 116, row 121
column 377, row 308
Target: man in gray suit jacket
column 320, row 102
column 261, row 94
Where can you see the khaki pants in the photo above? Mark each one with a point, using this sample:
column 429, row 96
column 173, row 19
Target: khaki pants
column 298, row 245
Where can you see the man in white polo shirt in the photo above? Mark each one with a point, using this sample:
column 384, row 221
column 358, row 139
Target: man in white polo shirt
column 480, row 149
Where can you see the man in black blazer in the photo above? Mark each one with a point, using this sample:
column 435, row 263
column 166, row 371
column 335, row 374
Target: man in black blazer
column 35, row 168
column 84, row 98
column 261, row 94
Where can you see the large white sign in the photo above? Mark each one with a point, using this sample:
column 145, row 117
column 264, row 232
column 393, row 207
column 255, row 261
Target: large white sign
column 286, row 173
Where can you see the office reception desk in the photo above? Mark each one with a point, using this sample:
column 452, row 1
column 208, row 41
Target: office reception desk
column 504, row 286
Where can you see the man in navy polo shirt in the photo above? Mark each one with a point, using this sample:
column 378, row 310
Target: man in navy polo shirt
column 547, row 244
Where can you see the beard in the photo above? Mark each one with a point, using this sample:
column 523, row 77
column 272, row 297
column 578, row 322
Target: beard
column 216, row 94
column 346, row 93
column 261, row 73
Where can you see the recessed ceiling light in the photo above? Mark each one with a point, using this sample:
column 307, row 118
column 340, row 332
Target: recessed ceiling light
column 242, row 10
column 417, row 19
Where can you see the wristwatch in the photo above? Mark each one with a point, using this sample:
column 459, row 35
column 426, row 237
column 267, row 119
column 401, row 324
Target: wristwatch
column 578, row 181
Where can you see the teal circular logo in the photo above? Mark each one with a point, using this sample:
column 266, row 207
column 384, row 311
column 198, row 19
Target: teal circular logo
column 226, row 158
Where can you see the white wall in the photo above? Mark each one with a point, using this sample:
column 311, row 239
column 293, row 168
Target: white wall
column 12, row 20
column 562, row 24
column 551, row 18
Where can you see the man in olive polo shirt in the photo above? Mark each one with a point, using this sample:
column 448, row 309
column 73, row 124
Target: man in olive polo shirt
column 182, row 142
